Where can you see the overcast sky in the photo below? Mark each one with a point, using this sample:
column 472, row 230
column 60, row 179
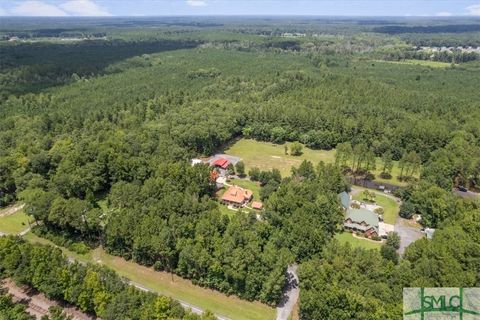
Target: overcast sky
column 239, row 7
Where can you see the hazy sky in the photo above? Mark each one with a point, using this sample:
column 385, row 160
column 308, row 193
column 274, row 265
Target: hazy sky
column 239, row 7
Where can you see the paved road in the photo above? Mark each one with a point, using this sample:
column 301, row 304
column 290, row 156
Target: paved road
column 290, row 295
column 408, row 234
column 466, row 194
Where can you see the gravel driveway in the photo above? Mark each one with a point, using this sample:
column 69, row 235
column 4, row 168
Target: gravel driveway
column 408, row 234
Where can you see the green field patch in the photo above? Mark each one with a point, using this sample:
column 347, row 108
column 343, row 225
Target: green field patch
column 423, row 63
column 267, row 155
column 347, row 237
column 14, row 223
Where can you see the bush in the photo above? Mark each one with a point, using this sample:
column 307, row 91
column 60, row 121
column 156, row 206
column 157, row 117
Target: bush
column 355, row 205
column 385, row 175
column 78, row 247
column 379, row 211
column 407, row 210
column 296, row 149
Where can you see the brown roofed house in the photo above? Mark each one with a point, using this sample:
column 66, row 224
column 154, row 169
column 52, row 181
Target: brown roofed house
column 237, row 196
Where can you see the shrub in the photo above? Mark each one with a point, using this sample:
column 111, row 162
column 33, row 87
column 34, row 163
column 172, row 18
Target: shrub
column 407, row 210
column 385, row 175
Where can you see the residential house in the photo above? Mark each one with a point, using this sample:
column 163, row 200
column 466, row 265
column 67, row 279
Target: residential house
column 362, row 220
column 237, row 196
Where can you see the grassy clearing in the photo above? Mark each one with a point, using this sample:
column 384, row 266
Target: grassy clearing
column 231, row 307
column 423, row 63
column 180, row 289
column 87, row 257
column 347, row 237
column 390, row 206
column 267, row 155
column 14, row 223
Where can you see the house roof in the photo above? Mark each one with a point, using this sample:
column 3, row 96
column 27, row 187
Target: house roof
column 257, row 205
column 237, row 195
column 344, row 199
column 363, row 215
column 221, row 162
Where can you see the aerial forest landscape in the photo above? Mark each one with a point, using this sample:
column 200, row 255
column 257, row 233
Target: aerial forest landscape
column 203, row 165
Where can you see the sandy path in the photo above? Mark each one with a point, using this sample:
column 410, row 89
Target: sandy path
column 11, row 210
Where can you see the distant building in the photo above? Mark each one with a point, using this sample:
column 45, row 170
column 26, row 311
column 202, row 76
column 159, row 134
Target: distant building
column 257, row 205
column 237, row 196
column 429, row 233
column 362, row 220
column 220, row 182
column 196, row 161
column 221, row 163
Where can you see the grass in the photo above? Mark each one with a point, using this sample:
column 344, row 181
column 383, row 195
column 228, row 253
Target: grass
column 347, row 237
column 424, row 63
column 87, row 257
column 180, row 289
column 14, row 223
column 267, row 155
column 390, row 206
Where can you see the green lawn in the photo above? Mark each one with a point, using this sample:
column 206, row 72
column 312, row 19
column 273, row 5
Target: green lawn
column 180, row 289
column 355, row 242
column 390, row 206
column 267, row 155
column 14, row 223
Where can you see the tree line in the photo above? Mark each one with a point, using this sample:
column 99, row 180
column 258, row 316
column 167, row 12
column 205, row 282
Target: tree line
column 93, row 289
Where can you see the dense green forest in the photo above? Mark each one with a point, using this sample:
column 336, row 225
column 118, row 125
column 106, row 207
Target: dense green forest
column 118, row 121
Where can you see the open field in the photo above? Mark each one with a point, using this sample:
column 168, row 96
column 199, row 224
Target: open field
column 14, row 223
column 267, row 155
column 180, row 289
column 345, row 237
column 390, row 206
column 423, row 63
